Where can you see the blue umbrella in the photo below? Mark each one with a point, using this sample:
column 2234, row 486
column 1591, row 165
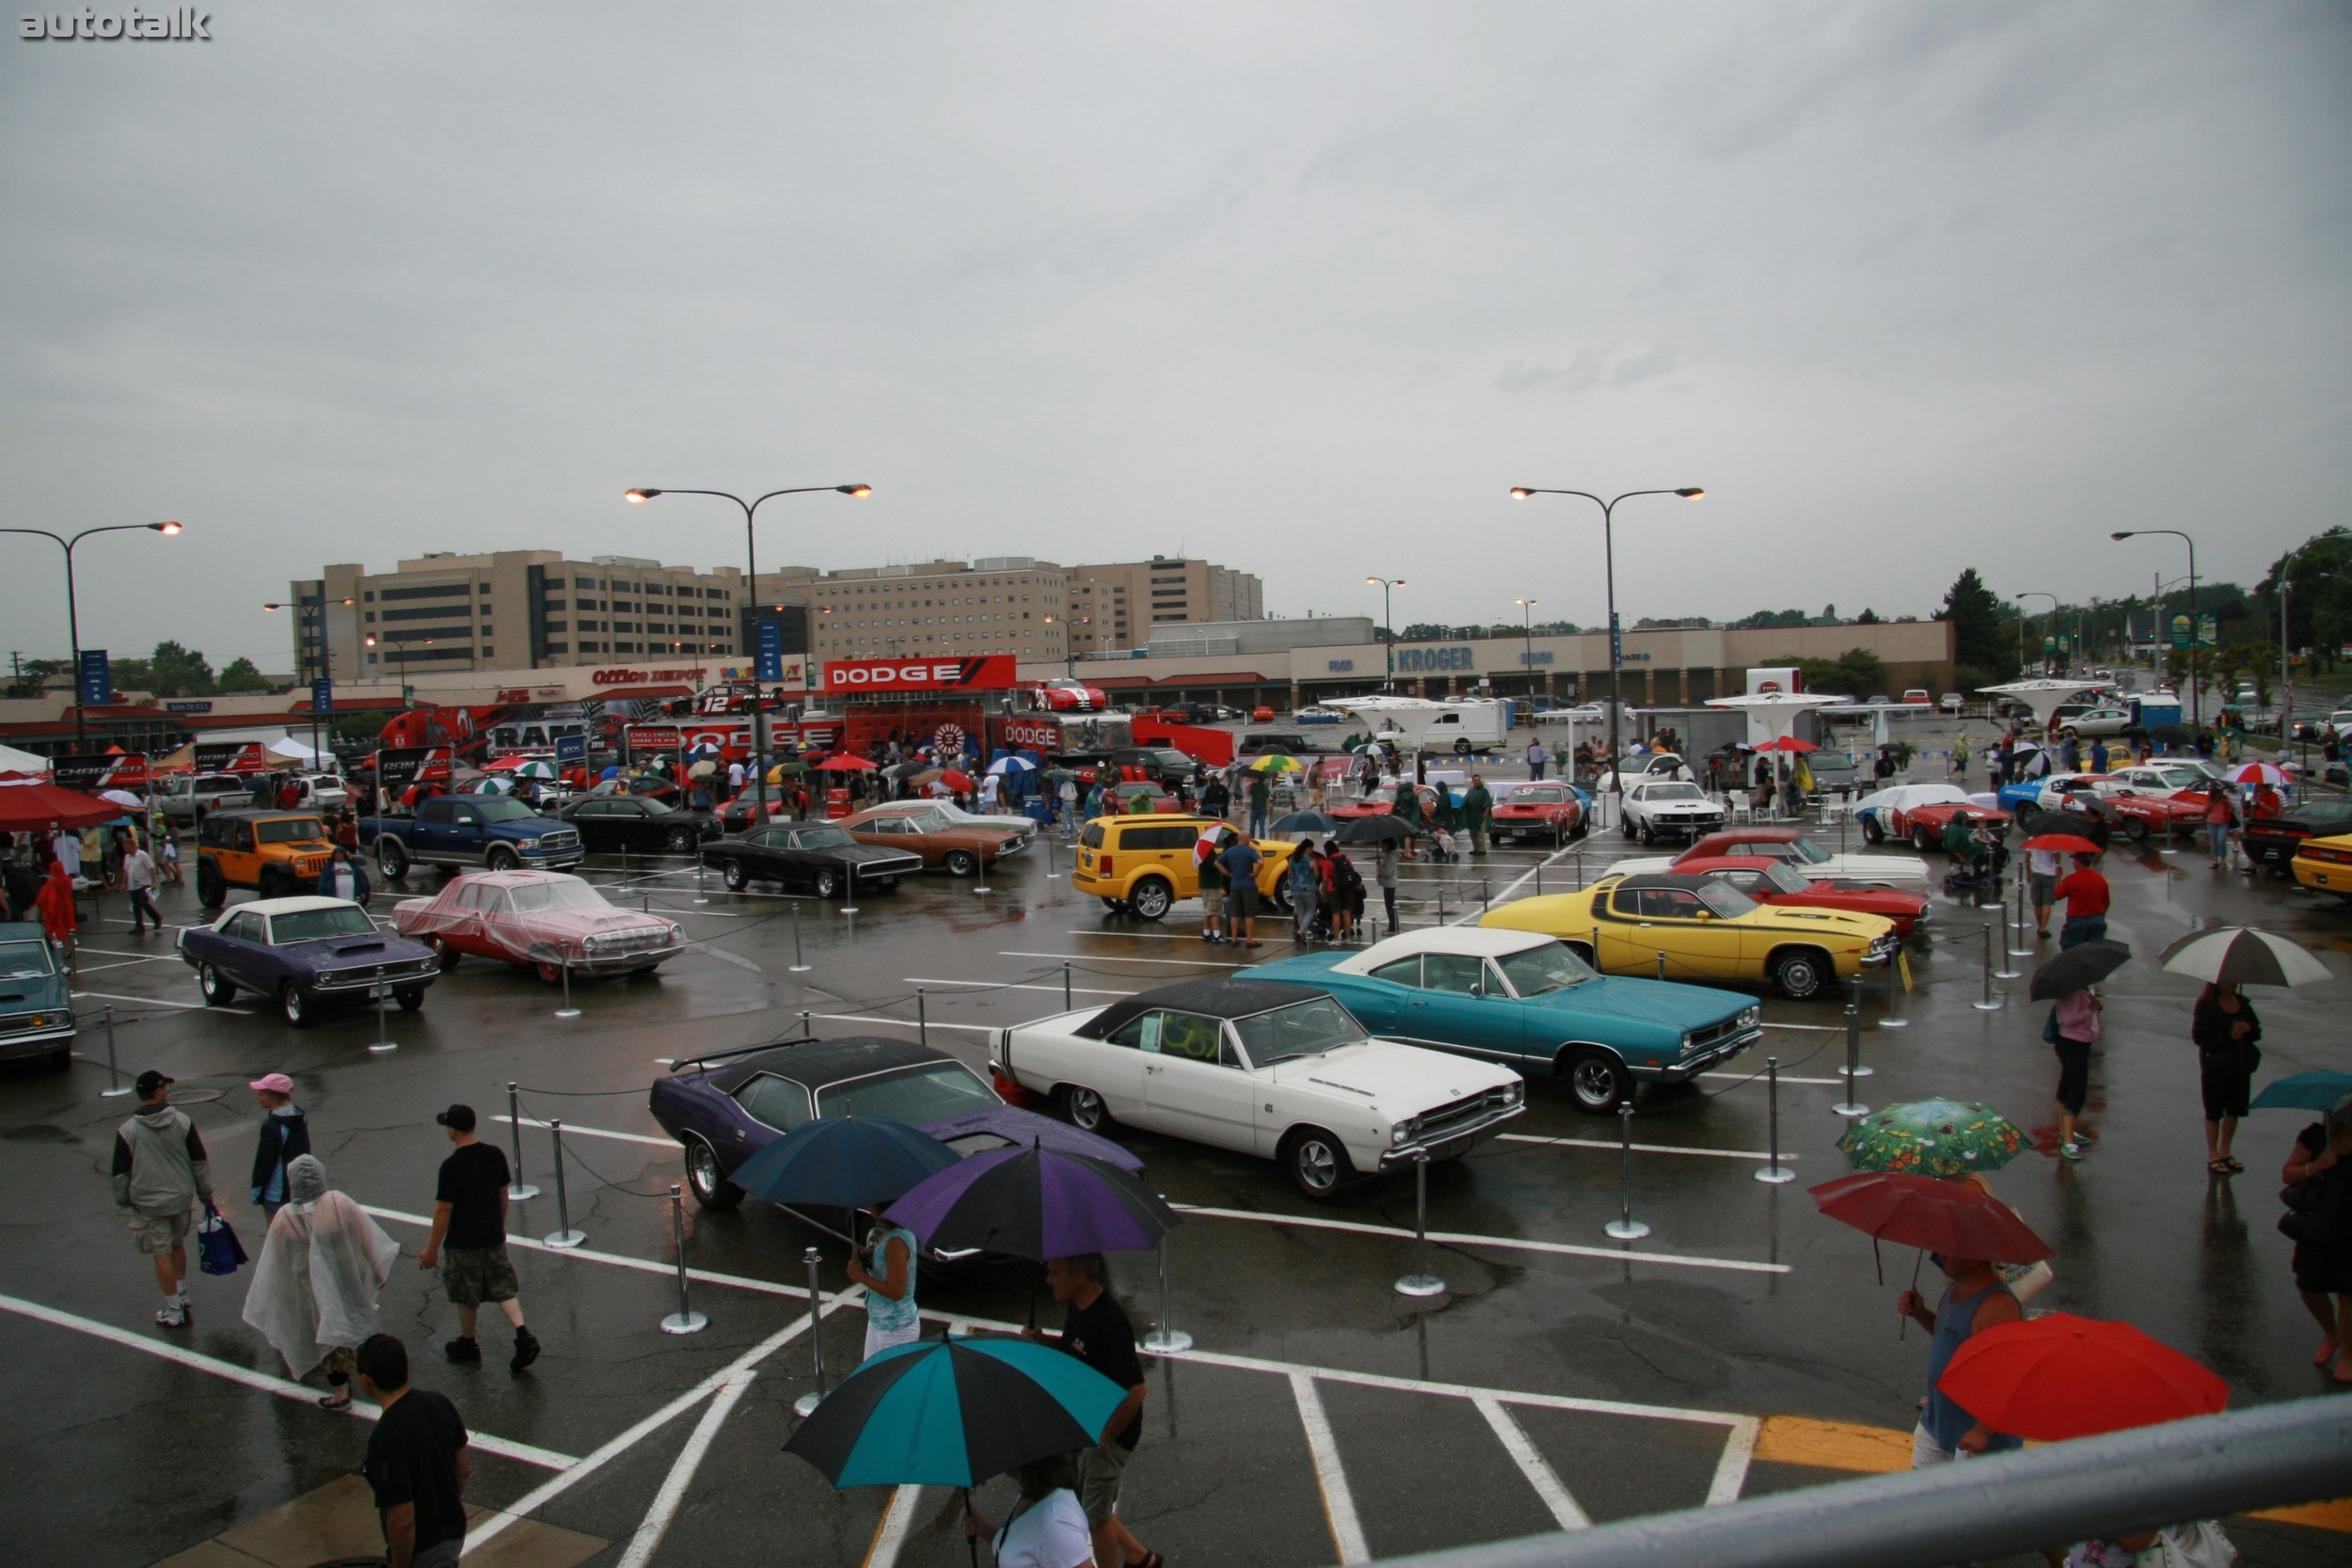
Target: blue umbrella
column 954, row 1413
column 2305, row 1091
column 843, row 1163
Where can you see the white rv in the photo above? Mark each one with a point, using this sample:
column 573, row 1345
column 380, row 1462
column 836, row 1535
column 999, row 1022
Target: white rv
column 1462, row 726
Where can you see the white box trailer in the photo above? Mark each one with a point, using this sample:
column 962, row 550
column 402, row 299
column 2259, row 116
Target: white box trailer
column 1461, row 727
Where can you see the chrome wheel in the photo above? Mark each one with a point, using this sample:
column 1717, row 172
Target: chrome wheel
column 1084, row 1109
column 1597, row 1083
column 1317, row 1162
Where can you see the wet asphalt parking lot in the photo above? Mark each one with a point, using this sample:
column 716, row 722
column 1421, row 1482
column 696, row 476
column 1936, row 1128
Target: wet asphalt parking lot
column 1745, row 1345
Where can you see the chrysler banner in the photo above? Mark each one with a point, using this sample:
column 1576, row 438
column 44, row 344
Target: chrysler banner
column 919, row 676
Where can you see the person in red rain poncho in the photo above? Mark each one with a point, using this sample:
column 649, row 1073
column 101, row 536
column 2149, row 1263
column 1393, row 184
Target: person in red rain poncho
column 55, row 904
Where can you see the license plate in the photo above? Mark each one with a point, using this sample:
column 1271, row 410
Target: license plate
column 379, row 992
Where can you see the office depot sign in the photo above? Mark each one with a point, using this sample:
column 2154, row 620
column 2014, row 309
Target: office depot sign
column 992, row 672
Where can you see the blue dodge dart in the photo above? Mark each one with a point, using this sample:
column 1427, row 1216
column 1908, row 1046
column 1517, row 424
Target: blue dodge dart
column 1524, row 999
column 304, row 954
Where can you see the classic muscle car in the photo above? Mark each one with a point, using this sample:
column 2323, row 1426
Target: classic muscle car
column 1919, row 813
column 819, row 856
column 2114, row 802
column 1262, row 1068
column 1542, row 809
column 2325, row 865
column 36, row 1007
column 1794, row 846
column 724, row 1108
column 936, row 838
column 1648, row 765
column 305, row 954
column 2272, row 841
column 1696, row 928
column 1669, row 808
column 545, row 920
column 1009, row 822
column 1784, row 882
column 638, row 822
column 1522, row 999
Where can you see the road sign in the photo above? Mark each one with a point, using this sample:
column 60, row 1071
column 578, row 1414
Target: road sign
column 2207, row 632
column 96, row 686
column 1616, row 641
column 571, row 748
column 768, row 651
column 2180, row 631
column 322, row 696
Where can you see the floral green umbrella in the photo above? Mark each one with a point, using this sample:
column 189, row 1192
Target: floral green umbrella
column 1933, row 1137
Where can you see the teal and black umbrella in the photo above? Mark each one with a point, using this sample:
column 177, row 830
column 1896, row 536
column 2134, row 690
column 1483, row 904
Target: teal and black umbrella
column 843, row 1163
column 954, row 1413
column 2305, row 1091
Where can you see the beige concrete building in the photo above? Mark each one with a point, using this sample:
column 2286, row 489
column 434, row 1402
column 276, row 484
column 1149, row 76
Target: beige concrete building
column 1010, row 604
column 1118, row 604
column 511, row 610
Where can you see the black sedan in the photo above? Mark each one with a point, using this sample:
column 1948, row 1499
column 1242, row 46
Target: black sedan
column 813, row 855
column 638, row 822
column 2272, row 841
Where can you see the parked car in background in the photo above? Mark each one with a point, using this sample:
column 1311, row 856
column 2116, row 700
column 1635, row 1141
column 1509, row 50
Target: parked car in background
column 1796, row 847
column 492, row 832
column 1317, row 714
column 305, row 955
column 2097, row 722
column 2325, row 865
column 1522, row 999
column 1917, row 695
column 638, row 822
column 1262, row 715
column 821, row 857
column 1005, row 822
column 1680, row 927
column 1262, row 1068
column 1258, row 743
column 2114, row 802
column 276, row 853
column 1952, row 701
column 1649, row 765
column 544, row 921
column 938, row 839
column 35, row 1001
column 2273, row 841
column 726, row 1107
column 184, row 794
column 1919, row 813
column 1163, row 765
column 1836, row 773
column 1543, row 809
column 1782, row 883
column 1670, row 808
column 1146, row 865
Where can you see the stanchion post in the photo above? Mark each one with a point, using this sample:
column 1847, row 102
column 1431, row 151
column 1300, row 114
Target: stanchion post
column 2004, row 971
column 922, row 1019
column 1849, row 1106
column 799, row 964
column 1066, row 1003
column 849, row 899
column 1892, row 1018
column 113, row 1075
column 1625, row 1228
column 517, row 1189
column 1661, row 963
column 1051, row 874
column 685, row 1319
column 1421, row 1283
column 980, row 872
column 1774, row 1173
column 566, row 1010
column 1989, row 1003
column 1166, row 1339
column 384, row 1040
column 808, row 1030
column 700, row 896
column 2017, row 946
column 806, row 1404
column 564, row 1235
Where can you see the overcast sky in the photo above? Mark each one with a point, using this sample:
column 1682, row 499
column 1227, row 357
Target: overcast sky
column 1302, row 288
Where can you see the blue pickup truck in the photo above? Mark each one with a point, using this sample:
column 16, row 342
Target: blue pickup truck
column 467, row 832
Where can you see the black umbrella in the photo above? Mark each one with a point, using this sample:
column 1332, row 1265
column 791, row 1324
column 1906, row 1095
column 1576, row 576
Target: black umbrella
column 2084, row 964
column 1303, row 822
column 1036, row 1203
column 1374, row 830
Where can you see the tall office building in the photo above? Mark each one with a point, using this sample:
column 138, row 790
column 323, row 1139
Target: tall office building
column 1117, row 603
column 511, row 609
column 1009, row 604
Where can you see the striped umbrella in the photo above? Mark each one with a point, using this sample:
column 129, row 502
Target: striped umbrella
column 2257, row 774
column 2244, row 956
column 1037, row 1203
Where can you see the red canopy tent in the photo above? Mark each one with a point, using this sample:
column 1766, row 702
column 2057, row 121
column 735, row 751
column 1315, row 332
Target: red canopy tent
column 29, row 806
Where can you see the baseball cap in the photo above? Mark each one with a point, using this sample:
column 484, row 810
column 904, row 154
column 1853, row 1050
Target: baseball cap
column 149, row 1081
column 457, row 1118
column 275, row 1083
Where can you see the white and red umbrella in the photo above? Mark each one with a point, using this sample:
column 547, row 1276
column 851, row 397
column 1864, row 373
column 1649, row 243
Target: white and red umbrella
column 2257, row 774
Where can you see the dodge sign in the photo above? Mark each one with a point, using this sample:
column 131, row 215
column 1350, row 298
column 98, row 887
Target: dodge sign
column 992, row 672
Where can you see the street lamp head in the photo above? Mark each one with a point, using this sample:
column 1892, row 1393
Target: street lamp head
column 860, row 491
column 1689, row 492
column 1521, row 492
column 642, row 493
column 2121, row 534
column 371, row 639
column 273, row 606
column 165, row 528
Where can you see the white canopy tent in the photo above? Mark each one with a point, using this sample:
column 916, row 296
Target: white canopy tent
column 2043, row 696
column 14, row 761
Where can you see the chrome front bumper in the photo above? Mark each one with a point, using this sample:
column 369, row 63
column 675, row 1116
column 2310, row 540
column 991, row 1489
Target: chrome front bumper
column 1453, row 1140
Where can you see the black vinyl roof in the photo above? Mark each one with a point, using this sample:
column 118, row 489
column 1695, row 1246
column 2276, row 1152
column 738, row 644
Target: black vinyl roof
column 814, row 1064
column 1212, row 998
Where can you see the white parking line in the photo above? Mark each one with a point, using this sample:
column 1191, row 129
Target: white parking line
column 1731, row 1470
column 136, row 958
column 1532, row 1463
column 997, row 985
column 1785, row 1078
column 1338, row 1504
column 665, row 1502
column 285, row 1388
column 670, row 1144
column 890, row 1532
column 619, row 1260
column 1519, row 1244
column 1115, row 958
column 157, row 1002
column 1641, row 1148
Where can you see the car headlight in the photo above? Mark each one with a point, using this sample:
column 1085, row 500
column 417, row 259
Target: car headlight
column 1514, row 1091
column 1403, row 1130
column 526, row 844
column 1751, row 1017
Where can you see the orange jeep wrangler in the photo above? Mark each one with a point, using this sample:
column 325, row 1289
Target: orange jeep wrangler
column 276, row 853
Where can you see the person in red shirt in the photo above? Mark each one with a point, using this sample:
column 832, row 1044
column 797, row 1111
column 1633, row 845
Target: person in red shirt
column 2087, row 898
column 2220, row 816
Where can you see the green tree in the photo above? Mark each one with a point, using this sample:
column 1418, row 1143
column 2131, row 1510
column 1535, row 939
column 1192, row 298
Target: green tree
column 241, row 676
column 1979, row 638
column 1856, row 673
column 1867, row 618
column 178, row 671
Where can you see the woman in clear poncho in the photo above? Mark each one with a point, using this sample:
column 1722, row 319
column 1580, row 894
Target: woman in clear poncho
column 316, row 1289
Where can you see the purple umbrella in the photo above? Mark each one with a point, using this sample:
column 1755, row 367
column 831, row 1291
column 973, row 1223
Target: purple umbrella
column 1034, row 1202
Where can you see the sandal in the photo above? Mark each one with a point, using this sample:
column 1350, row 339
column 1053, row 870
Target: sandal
column 334, row 1401
column 2327, row 1352
column 2218, row 1168
column 2235, row 1165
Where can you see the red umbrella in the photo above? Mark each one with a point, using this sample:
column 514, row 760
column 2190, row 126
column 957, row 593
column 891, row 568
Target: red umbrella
column 29, row 805
column 1787, row 743
column 845, row 763
column 2063, row 843
column 2062, row 1376
column 956, row 781
column 1950, row 1217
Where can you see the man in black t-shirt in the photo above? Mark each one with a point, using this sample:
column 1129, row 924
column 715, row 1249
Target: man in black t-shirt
column 469, row 1219
column 1096, row 1331
column 416, row 1462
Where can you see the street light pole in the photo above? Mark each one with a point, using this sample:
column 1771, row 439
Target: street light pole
column 2021, row 599
column 1527, row 643
column 302, row 660
column 750, row 591
column 1388, row 623
column 2196, row 703
column 72, row 613
column 1609, row 567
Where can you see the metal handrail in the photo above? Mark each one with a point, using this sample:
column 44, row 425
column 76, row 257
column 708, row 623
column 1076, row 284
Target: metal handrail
column 2265, row 1456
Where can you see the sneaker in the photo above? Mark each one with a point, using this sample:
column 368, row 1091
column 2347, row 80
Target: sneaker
column 526, row 1350
column 173, row 1314
column 2071, row 1150
column 463, row 1351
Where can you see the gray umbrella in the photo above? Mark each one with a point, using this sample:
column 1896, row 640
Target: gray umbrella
column 1374, row 830
column 2244, row 956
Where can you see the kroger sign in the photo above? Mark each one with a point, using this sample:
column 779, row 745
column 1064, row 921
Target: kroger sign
column 1435, row 659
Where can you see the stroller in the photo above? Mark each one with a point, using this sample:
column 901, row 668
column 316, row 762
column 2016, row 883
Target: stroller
column 1979, row 858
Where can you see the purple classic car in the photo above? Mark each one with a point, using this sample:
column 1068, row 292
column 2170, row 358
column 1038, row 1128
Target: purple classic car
column 724, row 1108
column 305, row 954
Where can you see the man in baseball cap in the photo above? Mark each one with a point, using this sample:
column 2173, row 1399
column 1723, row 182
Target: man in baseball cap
column 160, row 1171
column 285, row 1137
column 469, row 1218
